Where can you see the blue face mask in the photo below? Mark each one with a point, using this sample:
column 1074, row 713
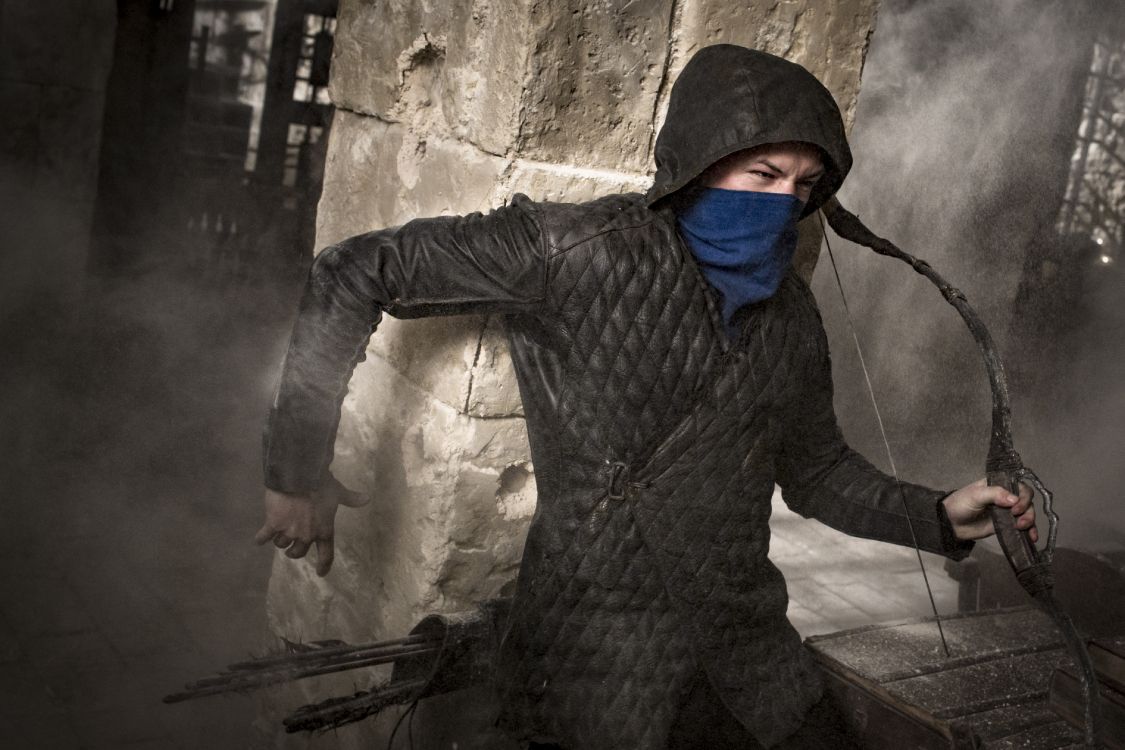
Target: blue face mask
column 743, row 241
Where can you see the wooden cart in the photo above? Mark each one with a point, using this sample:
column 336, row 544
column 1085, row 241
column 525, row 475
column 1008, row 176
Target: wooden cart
column 898, row 690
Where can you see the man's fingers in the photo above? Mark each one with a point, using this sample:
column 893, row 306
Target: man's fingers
column 992, row 495
column 324, row 556
column 1027, row 520
column 298, row 549
column 264, row 534
column 281, row 541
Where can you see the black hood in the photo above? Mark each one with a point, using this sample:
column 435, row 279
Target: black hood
column 729, row 98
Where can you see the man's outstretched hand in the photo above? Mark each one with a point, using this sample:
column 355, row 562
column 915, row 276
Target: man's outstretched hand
column 295, row 522
column 967, row 509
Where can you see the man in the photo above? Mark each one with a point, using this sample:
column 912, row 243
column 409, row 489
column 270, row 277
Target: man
column 672, row 368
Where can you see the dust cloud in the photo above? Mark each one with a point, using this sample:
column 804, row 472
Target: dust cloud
column 963, row 139
column 131, row 408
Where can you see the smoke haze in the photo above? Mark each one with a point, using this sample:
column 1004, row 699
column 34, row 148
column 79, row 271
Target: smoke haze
column 965, row 126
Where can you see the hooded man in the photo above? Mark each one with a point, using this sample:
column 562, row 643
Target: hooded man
column 672, row 367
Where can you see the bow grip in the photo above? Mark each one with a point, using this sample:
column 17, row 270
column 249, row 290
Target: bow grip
column 1032, row 571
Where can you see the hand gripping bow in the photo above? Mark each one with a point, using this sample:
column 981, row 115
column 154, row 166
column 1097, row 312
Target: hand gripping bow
column 1003, row 466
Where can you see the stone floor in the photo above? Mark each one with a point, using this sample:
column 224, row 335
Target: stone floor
column 130, row 435
column 838, row 582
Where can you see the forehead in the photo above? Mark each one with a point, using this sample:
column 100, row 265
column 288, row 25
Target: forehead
column 788, row 155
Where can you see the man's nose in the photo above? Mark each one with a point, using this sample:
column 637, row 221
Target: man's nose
column 787, row 187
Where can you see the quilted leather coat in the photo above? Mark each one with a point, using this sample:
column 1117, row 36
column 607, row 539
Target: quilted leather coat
column 657, row 440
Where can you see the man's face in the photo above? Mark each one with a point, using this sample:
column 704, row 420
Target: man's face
column 791, row 168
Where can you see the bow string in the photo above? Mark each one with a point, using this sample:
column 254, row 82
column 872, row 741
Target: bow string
column 1003, row 466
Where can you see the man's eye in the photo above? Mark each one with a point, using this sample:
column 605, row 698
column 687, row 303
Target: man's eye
column 759, row 173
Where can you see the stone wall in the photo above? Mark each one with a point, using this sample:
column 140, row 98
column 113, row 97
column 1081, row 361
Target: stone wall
column 55, row 57
column 451, row 107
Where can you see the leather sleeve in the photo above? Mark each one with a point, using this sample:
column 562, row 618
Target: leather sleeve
column 442, row 266
column 822, row 478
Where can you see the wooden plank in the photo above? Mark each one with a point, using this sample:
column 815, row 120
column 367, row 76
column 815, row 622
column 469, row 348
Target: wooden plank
column 1108, row 656
column 896, row 688
column 1055, row 736
column 884, row 653
column 1066, row 699
column 878, row 725
column 1006, row 681
column 1005, row 721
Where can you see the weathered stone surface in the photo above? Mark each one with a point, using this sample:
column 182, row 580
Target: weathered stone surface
column 596, row 71
column 467, row 58
column 493, row 391
column 435, row 354
column 543, row 181
column 380, row 175
column 383, row 49
column 487, row 52
column 450, row 498
column 360, row 178
column 828, row 38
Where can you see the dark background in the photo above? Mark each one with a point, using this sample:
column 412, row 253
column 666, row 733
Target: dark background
column 152, row 252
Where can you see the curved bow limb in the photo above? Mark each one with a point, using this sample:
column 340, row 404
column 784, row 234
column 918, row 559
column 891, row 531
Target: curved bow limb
column 1003, row 465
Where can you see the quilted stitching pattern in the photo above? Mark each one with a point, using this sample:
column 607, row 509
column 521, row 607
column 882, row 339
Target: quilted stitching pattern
column 618, row 599
column 621, row 362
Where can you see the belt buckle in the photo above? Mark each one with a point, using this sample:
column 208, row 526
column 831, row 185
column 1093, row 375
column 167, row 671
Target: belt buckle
column 618, row 479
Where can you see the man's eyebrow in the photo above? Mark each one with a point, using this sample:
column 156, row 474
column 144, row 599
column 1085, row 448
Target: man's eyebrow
column 814, row 176
column 768, row 163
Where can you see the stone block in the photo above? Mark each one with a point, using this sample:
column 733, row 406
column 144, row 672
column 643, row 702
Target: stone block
column 360, row 184
column 493, row 391
column 569, row 83
column 379, row 174
column 439, row 176
column 544, row 181
column 830, row 39
column 486, row 65
column 431, row 472
column 380, row 46
column 434, row 354
column 595, row 75
column 806, row 621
